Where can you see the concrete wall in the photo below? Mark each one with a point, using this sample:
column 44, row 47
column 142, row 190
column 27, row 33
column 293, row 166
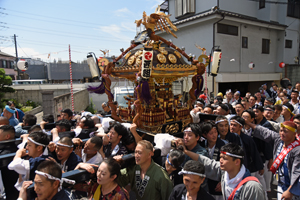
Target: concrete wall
column 81, row 101
column 34, row 95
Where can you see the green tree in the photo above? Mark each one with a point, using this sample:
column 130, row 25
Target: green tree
column 5, row 81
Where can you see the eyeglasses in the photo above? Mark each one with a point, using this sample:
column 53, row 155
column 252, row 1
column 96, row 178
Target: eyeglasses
column 169, row 161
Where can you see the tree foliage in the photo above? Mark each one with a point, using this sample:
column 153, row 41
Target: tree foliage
column 5, row 82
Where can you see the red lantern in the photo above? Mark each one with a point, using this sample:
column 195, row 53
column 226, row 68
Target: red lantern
column 281, row 65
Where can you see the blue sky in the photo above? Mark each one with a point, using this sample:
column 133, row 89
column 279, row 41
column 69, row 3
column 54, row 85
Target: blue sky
column 44, row 27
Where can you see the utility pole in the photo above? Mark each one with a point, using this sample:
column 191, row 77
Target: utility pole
column 17, row 59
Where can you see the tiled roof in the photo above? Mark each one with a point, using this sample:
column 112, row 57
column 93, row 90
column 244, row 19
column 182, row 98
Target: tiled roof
column 225, row 13
column 5, row 54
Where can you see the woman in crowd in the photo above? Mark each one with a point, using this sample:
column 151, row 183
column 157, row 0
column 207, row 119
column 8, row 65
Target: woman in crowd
column 106, row 187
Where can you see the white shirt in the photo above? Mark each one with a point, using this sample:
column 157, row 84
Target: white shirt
column 296, row 106
column 96, row 159
column 230, row 184
column 22, row 167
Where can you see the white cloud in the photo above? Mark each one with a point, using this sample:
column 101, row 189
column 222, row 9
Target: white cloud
column 156, row 3
column 130, row 26
column 123, row 12
column 26, row 52
column 115, row 31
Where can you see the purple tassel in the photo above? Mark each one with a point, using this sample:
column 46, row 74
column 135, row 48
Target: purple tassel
column 199, row 81
column 100, row 89
column 146, row 91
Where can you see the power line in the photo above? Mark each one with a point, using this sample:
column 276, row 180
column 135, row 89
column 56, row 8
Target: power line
column 87, row 38
column 22, row 50
column 56, row 44
column 80, row 26
column 49, row 30
column 48, row 16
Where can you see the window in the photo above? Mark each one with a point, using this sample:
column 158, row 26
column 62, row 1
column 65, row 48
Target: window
column 184, row 7
column 262, row 4
column 293, row 9
column 11, row 64
column 265, row 46
column 4, row 64
column 245, row 42
column 288, row 44
column 228, row 29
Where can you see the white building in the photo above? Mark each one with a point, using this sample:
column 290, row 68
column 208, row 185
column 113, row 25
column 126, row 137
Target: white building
column 257, row 31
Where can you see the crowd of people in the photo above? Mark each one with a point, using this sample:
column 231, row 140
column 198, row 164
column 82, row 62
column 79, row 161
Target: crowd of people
column 235, row 148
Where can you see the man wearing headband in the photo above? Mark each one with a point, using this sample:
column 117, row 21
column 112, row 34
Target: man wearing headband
column 65, row 156
column 236, row 180
column 287, row 112
column 37, row 151
column 193, row 176
column 286, row 156
column 294, row 101
column 192, row 133
column 224, row 133
column 9, row 112
column 47, row 183
column 229, row 98
column 252, row 160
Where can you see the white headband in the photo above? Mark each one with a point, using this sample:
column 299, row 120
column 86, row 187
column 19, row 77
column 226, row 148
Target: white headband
column 222, row 120
column 40, row 144
column 64, row 145
column 199, row 102
column 236, row 122
column 37, row 143
column 48, row 176
column 230, row 154
column 192, row 173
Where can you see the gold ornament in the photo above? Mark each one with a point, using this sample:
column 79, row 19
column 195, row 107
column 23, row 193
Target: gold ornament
column 138, row 61
column 177, row 54
column 138, row 53
column 161, row 58
column 172, row 58
column 163, row 51
column 131, row 60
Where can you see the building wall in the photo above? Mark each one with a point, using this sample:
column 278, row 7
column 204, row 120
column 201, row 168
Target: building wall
column 34, row 95
column 231, row 47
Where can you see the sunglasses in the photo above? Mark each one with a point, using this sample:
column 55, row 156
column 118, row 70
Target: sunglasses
column 169, row 161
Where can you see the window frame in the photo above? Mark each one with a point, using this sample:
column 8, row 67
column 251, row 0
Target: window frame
column 265, row 42
column 221, row 28
column 244, row 46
